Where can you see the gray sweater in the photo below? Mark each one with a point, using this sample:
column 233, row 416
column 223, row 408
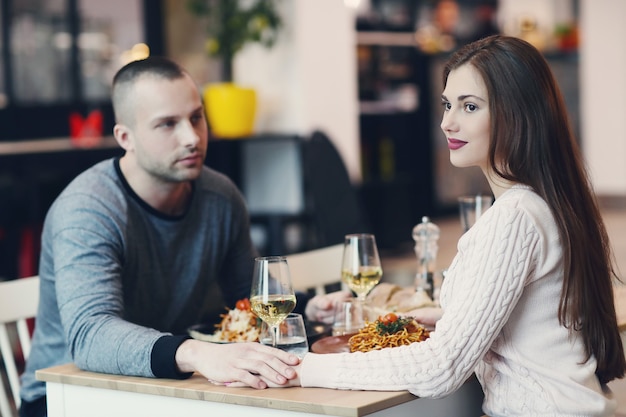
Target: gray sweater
column 121, row 282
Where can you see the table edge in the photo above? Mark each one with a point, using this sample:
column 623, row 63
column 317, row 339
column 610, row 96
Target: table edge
column 313, row 400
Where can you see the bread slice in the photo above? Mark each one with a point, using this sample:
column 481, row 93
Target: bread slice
column 381, row 294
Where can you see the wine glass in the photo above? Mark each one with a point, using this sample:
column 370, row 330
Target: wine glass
column 272, row 297
column 361, row 269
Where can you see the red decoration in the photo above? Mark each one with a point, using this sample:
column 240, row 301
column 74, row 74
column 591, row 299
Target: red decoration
column 86, row 132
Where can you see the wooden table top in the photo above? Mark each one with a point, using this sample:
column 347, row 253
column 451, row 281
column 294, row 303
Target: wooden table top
column 312, row 400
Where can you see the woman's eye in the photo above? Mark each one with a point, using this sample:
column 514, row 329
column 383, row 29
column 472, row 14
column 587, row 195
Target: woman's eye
column 446, row 105
column 471, row 107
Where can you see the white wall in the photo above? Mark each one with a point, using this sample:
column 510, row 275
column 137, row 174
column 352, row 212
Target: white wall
column 603, row 93
column 308, row 80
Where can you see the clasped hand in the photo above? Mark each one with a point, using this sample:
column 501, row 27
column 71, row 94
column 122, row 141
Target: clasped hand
column 238, row 364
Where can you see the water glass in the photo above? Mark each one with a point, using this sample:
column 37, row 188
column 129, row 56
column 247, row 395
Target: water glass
column 349, row 317
column 472, row 207
column 291, row 336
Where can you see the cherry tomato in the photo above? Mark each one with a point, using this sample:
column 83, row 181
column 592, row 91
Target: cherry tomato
column 389, row 318
column 243, row 304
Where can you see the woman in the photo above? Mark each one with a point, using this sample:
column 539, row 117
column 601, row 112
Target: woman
column 528, row 300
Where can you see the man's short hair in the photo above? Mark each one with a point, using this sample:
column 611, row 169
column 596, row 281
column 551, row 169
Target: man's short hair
column 126, row 77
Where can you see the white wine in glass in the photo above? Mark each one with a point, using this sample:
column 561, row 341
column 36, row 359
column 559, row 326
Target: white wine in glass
column 272, row 297
column 361, row 269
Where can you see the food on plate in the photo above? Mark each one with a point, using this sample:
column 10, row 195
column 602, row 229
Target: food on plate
column 387, row 297
column 237, row 325
column 388, row 331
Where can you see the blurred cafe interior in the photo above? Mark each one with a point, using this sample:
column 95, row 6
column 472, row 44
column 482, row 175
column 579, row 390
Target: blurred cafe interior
column 346, row 130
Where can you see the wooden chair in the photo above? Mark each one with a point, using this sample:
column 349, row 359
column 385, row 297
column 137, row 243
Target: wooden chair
column 18, row 302
column 316, row 269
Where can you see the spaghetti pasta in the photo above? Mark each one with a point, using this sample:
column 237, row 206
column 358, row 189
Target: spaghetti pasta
column 375, row 337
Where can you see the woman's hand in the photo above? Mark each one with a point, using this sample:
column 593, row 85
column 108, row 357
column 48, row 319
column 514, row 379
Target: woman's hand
column 427, row 316
column 294, row 382
column 242, row 364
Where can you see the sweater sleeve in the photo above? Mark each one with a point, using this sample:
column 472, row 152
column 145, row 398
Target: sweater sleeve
column 163, row 358
column 87, row 259
column 482, row 287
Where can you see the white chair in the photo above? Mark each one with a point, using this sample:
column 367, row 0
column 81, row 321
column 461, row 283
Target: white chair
column 315, row 269
column 18, row 302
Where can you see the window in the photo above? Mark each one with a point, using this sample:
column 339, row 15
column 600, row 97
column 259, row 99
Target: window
column 3, row 94
column 59, row 57
column 39, row 47
column 109, row 31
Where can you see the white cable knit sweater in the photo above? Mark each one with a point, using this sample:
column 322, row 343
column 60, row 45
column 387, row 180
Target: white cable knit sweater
column 500, row 299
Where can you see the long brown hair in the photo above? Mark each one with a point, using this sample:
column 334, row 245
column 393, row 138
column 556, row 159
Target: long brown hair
column 532, row 143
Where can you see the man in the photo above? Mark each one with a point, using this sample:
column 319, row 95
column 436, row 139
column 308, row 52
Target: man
column 134, row 249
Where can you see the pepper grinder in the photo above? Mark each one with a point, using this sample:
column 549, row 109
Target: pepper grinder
column 426, row 236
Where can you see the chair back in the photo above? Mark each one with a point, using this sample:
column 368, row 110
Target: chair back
column 316, row 269
column 333, row 201
column 19, row 300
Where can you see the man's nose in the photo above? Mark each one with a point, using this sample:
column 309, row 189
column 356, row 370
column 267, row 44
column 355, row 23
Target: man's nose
column 189, row 135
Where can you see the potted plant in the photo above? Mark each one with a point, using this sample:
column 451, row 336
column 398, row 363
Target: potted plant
column 232, row 24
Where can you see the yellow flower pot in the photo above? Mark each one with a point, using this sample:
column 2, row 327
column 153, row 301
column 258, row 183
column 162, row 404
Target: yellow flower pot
column 230, row 110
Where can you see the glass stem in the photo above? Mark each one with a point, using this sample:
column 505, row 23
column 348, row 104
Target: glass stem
column 274, row 335
column 362, row 300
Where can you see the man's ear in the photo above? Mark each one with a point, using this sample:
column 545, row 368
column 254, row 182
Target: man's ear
column 122, row 135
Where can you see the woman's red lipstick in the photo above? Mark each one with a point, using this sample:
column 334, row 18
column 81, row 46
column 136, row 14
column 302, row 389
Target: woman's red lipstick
column 454, row 144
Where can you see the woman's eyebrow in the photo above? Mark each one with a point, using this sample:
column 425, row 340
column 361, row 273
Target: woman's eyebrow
column 463, row 97
column 466, row 96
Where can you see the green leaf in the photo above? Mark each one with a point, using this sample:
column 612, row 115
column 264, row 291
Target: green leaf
column 393, row 327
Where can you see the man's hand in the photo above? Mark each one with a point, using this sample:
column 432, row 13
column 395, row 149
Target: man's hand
column 250, row 364
column 321, row 307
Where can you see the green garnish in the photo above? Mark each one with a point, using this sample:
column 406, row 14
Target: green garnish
column 392, row 327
